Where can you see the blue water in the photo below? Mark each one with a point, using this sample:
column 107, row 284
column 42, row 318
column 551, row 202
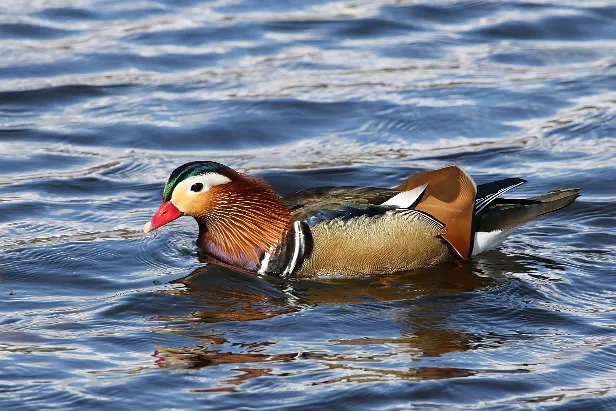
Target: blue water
column 100, row 100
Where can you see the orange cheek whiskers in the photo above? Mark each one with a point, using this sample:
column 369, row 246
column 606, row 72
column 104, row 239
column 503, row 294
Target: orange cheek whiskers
column 246, row 219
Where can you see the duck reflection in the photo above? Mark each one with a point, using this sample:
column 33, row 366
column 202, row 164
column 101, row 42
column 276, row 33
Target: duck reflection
column 426, row 303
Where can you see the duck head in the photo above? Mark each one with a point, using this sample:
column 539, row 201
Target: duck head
column 240, row 217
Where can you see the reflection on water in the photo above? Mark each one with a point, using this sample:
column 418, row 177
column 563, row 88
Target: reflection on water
column 100, row 100
column 426, row 329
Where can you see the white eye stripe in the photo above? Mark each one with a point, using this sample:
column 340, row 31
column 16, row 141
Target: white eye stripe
column 208, row 181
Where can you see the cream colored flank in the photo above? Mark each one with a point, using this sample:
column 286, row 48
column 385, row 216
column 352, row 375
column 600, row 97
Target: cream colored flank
column 397, row 241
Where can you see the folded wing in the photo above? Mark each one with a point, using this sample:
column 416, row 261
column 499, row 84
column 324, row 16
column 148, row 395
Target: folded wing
column 450, row 198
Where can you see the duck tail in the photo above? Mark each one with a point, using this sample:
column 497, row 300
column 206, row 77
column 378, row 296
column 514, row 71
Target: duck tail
column 497, row 221
column 555, row 200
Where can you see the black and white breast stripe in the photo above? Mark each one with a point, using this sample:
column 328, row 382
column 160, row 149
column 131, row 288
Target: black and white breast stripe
column 288, row 259
column 299, row 247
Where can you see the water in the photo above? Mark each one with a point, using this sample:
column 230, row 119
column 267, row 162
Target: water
column 100, row 100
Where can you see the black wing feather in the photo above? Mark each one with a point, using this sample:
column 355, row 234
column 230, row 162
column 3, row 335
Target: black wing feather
column 487, row 193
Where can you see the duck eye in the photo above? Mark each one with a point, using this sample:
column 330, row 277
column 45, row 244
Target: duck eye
column 196, row 187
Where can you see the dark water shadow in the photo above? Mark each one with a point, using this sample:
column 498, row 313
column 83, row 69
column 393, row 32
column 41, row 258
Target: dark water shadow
column 423, row 304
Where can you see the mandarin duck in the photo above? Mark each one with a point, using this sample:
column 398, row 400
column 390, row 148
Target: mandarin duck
column 430, row 217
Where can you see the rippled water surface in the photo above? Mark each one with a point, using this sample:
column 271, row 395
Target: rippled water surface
column 100, row 100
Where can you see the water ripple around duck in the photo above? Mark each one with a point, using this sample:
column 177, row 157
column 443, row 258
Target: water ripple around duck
column 99, row 101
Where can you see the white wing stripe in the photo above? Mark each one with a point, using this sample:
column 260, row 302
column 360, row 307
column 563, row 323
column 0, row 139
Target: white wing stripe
column 406, row 199
column 482, row 203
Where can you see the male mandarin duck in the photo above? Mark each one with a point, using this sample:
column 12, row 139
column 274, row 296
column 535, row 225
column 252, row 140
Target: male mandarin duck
column 430, row 217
